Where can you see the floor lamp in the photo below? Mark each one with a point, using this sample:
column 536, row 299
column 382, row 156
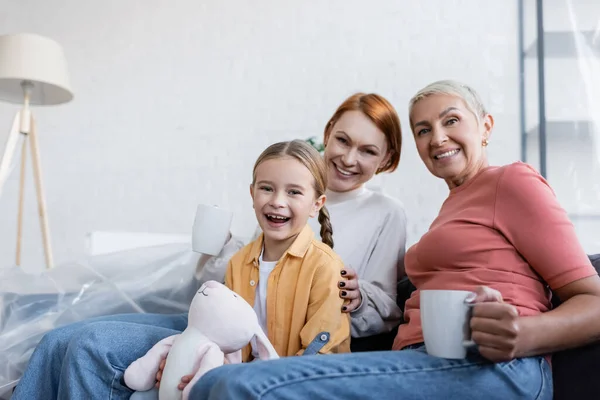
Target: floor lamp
column 33, row 71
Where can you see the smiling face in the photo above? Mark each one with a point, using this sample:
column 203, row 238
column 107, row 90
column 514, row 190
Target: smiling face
column 449, row 137
column 355, row 149
column 283, row 197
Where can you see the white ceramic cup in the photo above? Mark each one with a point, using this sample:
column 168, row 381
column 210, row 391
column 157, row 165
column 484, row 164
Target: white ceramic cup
column 211, row 229
column 445, row 319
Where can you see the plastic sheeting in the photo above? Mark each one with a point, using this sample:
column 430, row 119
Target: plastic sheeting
column 560, row 89
column 159, row 279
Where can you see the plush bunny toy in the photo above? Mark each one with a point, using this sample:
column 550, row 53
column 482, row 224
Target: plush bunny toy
column 220, row 323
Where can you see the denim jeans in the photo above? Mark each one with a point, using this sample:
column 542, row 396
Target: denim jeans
column 313, row 347
column 86, row 360
column 406, row 374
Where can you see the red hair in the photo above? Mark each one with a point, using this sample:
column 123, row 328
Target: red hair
column 382, row 114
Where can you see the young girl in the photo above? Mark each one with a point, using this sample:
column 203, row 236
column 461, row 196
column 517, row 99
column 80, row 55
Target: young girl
column 289, row 277
column 286, row 274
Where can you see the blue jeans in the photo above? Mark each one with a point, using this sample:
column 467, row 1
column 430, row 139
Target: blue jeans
column 313, row 348
column 405, row 374
column 87, row 359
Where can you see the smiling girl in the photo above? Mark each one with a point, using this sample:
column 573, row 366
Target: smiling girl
column 288, row 275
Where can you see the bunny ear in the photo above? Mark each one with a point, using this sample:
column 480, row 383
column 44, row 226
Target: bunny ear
column 235, row 357
column 265, row 349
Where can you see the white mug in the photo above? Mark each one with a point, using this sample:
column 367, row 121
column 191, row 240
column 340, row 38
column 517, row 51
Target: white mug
column 445, row 320
column 211, row 229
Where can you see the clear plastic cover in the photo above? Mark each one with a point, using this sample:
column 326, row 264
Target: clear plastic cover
column 158, row 279
column 560, row 71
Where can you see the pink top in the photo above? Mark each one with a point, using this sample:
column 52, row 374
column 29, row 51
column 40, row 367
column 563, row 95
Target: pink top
column 504, row 229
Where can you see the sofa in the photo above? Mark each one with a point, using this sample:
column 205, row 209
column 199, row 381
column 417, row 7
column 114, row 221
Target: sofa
column 575, row 371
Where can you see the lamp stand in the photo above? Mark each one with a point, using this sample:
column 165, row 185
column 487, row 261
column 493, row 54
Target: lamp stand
column 24, row 124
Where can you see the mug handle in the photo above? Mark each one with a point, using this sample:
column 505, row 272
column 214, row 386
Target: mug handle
column 469, row 344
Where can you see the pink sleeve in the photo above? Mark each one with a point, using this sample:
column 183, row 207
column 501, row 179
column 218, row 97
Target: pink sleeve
column 528, row 214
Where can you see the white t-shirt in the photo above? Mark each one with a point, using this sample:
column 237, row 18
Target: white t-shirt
column 260, row 299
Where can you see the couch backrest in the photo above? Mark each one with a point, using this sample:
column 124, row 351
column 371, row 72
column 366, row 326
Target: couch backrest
column 595, row 259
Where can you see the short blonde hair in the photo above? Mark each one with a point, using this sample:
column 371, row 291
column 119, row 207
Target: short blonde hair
column 451, row 88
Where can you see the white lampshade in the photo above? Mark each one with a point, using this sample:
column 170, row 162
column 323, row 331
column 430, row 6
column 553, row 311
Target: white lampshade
column 39, row 60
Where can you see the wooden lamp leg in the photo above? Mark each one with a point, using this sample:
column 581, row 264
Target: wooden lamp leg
column 37, row 175
column 21, row 201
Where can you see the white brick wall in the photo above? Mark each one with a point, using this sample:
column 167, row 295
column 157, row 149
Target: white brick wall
column 175, row 99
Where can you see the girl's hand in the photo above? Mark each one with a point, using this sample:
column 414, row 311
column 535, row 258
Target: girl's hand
column 184, row 380
column 495, row 326
column 349, row 290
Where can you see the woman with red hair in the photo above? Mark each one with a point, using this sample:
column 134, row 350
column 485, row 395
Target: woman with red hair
column 364, row 138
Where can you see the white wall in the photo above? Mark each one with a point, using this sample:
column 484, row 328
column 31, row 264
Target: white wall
column 175, row 99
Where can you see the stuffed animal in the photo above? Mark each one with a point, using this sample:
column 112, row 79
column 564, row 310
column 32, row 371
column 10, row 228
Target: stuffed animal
column 220, row 324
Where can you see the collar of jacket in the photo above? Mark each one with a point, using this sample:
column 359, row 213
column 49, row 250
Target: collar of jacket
column 298, row 248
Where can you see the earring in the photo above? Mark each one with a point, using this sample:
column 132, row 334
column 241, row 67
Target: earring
column 485, row 142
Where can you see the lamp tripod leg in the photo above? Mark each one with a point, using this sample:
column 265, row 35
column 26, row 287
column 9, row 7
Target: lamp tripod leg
column 37, row 175
column 21, row 201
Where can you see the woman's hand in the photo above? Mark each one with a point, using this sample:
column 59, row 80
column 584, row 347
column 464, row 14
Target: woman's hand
column 184, row 380
column 495, row 326
column 349, row 290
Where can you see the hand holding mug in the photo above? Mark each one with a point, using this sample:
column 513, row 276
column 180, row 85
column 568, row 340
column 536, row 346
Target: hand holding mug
column 454, row 320
column 495, row 325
